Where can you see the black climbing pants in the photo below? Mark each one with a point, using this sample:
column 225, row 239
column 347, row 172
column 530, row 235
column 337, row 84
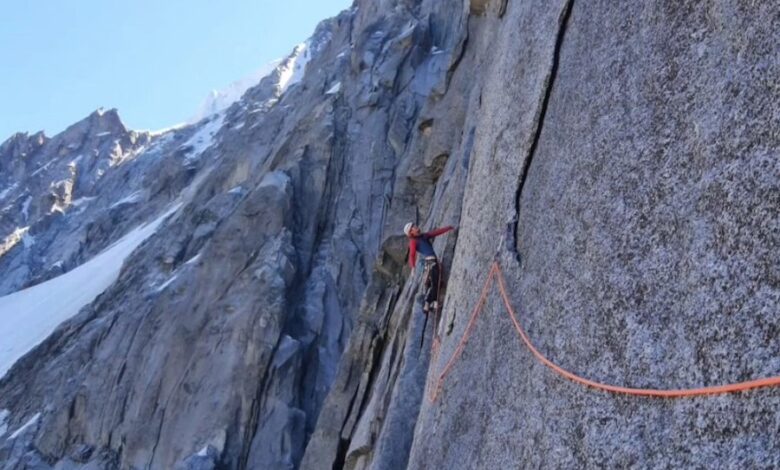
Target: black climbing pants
column 432, row 281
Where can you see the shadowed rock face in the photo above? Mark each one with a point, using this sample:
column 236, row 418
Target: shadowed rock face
column 620, row 161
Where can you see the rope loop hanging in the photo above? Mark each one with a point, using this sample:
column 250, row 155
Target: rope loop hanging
column 496, row 276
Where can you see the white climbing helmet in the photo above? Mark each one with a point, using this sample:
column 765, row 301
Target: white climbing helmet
column 408, row 228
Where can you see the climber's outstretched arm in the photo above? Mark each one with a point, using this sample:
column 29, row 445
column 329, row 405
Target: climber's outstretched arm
column 439, row 231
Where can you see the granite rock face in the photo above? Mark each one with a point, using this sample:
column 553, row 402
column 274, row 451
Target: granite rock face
column 644, row 177
column 619, row 161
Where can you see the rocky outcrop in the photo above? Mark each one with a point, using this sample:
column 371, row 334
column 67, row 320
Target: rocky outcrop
column 618, row 161
column 57, row 186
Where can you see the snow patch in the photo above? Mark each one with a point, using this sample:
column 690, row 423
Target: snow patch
column 42, row 168
column 165, row 284
column 176, row 273
column 29, row 316
column 102, row 134
column 409, row 29
column 82, row 201
column 291, row 71
column 159, row 132
column 236, row 190
column 7, row 190
column 219, row 100
column 287, row 348
column 193, row 260
column 118, row 155
column 131, row 199
column 26, row 208
column 26, row 425
column 275, row 178
column 204, row 137
column 334, row 89
column 204, row 452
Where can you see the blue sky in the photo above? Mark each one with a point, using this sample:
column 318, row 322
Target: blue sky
column 153, row 60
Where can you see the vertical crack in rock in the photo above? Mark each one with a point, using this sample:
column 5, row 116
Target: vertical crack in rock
column 461, row 53
column 254, row 415
column 511, row 241
column 157, row 439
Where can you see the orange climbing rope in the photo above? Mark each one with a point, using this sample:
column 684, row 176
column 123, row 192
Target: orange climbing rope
column 496, row 273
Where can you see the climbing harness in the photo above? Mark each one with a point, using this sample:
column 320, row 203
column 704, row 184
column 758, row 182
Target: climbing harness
column 433, row 274
column 496, row 274
column 431, row 263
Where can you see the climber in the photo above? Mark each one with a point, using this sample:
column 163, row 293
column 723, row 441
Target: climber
column 423, row 243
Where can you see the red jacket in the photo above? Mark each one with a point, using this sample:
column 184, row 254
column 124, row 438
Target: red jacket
column 424, row 238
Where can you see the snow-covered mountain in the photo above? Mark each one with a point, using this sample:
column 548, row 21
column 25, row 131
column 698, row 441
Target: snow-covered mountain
column 287, row 71
column 219, row 100
column 79, row 208
column 234, row 292
column 32, row 314
column 87, row 195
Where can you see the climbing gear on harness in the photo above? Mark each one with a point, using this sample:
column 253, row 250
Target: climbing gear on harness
column 423, row 243
column 495, row 274
column 432, row 285
column 432, row 282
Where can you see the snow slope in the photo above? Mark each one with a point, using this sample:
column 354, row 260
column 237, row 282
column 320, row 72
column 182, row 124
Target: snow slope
column 219, row 100
column 26, row 425
column 292, row 70
column 204, row 137
column 28, row 316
